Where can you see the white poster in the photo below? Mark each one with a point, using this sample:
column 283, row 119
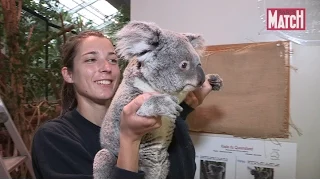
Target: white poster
column 235, row 158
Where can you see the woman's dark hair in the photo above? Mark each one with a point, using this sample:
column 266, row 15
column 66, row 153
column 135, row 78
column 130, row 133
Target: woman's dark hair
column 69, row 51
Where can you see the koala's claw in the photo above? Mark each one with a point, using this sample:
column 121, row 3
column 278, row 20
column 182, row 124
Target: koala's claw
column 161, row 105
column 215, row 81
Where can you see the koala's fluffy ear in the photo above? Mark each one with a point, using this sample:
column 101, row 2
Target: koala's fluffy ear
column 197, row 41
column 136, row 39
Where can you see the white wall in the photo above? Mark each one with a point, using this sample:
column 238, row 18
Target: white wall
column 234, row 21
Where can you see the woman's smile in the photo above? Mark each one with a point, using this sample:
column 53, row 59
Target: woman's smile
column 104, row 82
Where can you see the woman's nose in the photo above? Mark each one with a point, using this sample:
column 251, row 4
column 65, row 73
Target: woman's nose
column 105, row 67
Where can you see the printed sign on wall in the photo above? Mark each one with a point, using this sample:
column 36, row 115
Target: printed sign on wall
column 233, row 158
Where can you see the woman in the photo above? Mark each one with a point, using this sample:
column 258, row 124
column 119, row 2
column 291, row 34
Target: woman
column 65, row 147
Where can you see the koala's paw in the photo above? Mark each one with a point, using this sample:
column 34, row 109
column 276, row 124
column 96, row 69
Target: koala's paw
column 161, row 105
column 215, row 81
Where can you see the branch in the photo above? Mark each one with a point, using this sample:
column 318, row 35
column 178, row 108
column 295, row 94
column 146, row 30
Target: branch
column 54, row 86
column 2, row 76
column 2, row 93
column 19, row 11
column 4, row 4
column 3, row 55
column 46, row 41
column 41, row 115
column 3, row 85
column 62, row 25
column 30, row 34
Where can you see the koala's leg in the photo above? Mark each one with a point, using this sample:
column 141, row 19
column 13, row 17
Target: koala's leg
column 215, row 81
column 103, row 164
column 155, row 168
column 157, row 171
column 154, row 156
column 163, row 105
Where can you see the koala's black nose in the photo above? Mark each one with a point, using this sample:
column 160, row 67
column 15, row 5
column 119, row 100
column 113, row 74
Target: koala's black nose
column 201, row 75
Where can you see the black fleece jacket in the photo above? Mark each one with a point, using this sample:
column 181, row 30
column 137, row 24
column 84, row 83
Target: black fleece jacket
column 64, row 148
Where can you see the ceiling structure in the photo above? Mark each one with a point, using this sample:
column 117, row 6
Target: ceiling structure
column 118, row 3
column 96, row 10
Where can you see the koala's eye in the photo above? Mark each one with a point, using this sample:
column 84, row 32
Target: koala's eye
column 184, row 65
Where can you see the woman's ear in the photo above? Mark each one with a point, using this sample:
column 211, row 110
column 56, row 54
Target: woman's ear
column 67, row 76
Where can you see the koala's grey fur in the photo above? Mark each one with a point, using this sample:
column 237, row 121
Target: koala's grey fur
column 156, row 60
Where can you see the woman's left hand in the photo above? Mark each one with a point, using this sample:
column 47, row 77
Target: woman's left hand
column 196, row 97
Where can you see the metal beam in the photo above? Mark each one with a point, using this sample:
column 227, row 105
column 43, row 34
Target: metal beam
column 81, row 6
column 43, row 18
column 119, row 3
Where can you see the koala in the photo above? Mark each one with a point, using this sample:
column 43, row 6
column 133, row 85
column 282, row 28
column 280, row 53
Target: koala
column 160, row 61
column 215, row 171
column 261, row 172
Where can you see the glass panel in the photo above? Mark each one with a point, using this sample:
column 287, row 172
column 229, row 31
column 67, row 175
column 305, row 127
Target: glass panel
column 69, row 4
column 104, row 7
column 89, row 15
column 95, row 12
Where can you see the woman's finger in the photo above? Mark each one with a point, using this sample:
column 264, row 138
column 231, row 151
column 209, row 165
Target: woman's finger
column 203, row 91
column 191, row 99
column 147, row 122
column 151, row 123
column 136, row 103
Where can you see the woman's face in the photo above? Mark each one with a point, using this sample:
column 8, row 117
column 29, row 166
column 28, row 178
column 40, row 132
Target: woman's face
column 95, row 72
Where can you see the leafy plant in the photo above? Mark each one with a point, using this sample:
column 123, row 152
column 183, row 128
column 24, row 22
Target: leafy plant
column 30, row 41
column 117, row 21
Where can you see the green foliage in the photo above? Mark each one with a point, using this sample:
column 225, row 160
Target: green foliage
column 43, row 66
column 118, row 20
column 30, row 77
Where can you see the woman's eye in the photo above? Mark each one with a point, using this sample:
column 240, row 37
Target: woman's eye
column 113, row 61
column 90, row 60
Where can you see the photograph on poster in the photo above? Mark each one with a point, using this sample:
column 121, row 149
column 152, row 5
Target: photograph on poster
column 261, row 172
column 212, row 169
column 235, row 158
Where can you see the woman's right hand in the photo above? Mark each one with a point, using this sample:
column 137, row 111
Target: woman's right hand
column 132, row 128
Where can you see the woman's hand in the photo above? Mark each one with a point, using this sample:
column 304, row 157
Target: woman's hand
column 196, row 97
column 132, row 128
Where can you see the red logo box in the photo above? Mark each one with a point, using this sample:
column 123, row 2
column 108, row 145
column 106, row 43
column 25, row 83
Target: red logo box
column 286, row 19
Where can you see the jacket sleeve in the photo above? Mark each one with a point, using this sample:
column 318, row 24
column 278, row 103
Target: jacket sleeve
column 59, row 156
column 124, row 174
column 186, row 110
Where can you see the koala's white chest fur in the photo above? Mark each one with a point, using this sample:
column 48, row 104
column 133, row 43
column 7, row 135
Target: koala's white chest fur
column 154, row 145
column 167, row 123
column 146, row 88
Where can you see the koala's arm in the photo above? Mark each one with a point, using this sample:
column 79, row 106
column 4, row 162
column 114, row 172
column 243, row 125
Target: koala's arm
column 215, row 82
